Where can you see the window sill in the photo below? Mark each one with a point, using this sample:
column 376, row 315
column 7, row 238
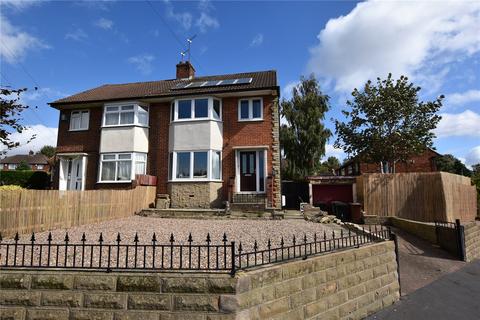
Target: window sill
column 123, row 181
column 195, row 120
column 250, row 120
column 125, row 125
column 74, row 130
column 194, row 180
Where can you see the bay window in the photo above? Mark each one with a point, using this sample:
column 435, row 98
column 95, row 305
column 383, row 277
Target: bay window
column 79, row 120
column 196, row 109
column 122, row 167
column 125, row 114
column 250, row 109
column 202, row 165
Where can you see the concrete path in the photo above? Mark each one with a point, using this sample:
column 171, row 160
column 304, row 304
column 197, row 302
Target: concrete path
column 454, row 296
column 421, row 262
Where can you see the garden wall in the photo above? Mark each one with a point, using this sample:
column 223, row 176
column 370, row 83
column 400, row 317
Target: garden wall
column 472, row 241
column 353, row 283
column 26, row 211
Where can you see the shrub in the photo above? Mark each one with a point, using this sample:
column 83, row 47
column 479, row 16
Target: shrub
column 25, row 178
column 10, row 187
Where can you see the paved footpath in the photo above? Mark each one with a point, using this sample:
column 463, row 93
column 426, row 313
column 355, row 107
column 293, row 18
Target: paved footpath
column 453, row 296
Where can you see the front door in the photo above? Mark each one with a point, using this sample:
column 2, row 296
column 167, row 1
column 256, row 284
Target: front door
column 71, row 177
column 248, row 176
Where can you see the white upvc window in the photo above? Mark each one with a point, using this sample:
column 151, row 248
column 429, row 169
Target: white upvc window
column 40, row 166
column 122, row 167
column 250, row 109
column 198, row 165
column 79, row 120
column 125, row 114
column 12, row 166
column 201, row 108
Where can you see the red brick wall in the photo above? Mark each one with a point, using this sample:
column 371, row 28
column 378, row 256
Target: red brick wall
column 87, row 141
column 235, row 133
column 157, row 164
column 421, row 163
column 244, row 133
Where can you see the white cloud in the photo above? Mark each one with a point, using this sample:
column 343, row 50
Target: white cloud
column 473, row 156
column 288, row 88
column 15, row 43
column 331, row 151
column 142, row 63
column 206, row 21
column 104, row 23
column 257, row 40
column 401, row 37
column 184, row 18
column 466, row 123
column 77, row 35
column 18, row 4
column 463, row 98
column 44, row 136
column 95, row 4
column 32, row 97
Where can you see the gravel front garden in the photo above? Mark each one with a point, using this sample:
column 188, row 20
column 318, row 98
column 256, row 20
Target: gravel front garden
column 245, row 232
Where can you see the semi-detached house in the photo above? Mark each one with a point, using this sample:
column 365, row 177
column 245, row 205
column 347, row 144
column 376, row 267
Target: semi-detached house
column 206, row 139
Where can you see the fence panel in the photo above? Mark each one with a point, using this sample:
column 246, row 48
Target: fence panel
column 26, row 211
column 429, row 197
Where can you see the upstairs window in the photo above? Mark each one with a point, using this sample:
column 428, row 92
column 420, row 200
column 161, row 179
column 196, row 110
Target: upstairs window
column 250, row 109
column 128, row 114
column 196, row 109
column 79, row 120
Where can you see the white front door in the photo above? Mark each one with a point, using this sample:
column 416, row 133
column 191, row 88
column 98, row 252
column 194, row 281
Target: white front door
column 72, row 173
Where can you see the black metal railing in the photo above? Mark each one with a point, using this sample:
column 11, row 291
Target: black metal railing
column 204, row 256
column 450, row 236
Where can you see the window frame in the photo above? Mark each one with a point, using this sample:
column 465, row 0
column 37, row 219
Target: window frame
column 12, row 166
column 40, row 166
column 80, row 113
column 210, row 113
column 172, row 174
column 136, row 111
column 250, row 109
column 116, row 160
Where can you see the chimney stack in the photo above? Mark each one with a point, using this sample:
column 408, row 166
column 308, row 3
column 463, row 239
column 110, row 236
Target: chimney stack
column 185, row 70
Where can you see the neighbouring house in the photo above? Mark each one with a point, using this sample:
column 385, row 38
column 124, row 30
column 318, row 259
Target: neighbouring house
column 424, row 162
column 37, row 162
column 206, row 139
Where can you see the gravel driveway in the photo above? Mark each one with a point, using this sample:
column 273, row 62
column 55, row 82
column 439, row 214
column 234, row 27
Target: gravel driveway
column 240, row 231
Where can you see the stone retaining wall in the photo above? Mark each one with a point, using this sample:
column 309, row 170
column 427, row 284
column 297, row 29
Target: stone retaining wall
column 195, row 194
column 353, row 284
column 472, row 241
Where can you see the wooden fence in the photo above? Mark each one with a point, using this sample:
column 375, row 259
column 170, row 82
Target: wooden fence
column 425, row 197
column 26, row 211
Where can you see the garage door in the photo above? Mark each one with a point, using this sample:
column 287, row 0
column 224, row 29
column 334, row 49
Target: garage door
column 328, row 193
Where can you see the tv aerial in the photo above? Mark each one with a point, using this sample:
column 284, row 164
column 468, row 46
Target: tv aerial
column 187, row 52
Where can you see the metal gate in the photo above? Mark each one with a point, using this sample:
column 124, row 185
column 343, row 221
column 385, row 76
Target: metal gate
column 450, row 237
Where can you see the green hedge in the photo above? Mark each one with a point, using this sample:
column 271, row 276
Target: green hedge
column 25, row 178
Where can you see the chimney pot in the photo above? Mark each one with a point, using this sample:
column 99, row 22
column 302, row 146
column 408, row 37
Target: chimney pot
column 185, row 70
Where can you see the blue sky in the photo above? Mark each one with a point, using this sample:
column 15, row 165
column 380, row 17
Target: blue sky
column 67, row 47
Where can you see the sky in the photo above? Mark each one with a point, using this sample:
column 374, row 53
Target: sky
column 64, row 48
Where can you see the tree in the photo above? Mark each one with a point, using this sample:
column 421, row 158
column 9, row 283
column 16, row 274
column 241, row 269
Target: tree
column 386, row 123
column 10, row 120
column 23, row 166
column 48, row 151
column 329, row 166
column 303, row 139
column 448, row 163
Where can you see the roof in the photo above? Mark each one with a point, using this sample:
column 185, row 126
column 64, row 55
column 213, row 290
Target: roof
column 30, row 159
column 165, row 88
column 354, row 159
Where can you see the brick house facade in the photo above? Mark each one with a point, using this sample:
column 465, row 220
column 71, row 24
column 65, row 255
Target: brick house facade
column 36, row 162
column 226, row 144
column 424, row 162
